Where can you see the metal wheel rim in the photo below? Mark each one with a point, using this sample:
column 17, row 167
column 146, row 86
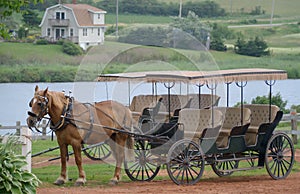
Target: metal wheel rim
column 142, row 168
column 219, row 167
column 185, row 166
column 279, row 158
column 98, row 152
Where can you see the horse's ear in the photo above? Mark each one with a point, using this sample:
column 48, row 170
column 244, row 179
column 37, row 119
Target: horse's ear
column 45, row 91
column 36, row 88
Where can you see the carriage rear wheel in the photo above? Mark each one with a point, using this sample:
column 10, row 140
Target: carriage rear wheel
column 224, row 168
column 279, row 158
column 145, row 165
column 99, row 151
column 185, row 162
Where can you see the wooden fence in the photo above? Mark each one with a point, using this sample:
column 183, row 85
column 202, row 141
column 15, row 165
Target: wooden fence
column 25, row 140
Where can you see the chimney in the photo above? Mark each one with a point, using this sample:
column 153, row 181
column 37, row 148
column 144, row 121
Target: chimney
column 74, row 1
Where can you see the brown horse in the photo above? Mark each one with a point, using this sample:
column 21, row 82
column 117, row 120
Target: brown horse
column 75, row 123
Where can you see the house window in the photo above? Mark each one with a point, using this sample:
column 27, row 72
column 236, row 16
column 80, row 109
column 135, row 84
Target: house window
column 60, row 15
column 99, row 16
column 84, row 31
column 71, row 32
column 48, row 31
column 62, row 33
column 99, row 31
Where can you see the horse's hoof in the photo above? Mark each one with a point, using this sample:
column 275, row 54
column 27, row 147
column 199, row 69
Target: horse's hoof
column 80, row 182
column 113, row 182
column 59, row 182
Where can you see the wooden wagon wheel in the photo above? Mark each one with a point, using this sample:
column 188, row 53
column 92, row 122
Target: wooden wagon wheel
column 99, row 151
column 225, row 168
column 145, row 165
column 185, row 162
column 279, row 158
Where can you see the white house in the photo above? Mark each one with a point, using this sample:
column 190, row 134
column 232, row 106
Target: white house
column 80, row 23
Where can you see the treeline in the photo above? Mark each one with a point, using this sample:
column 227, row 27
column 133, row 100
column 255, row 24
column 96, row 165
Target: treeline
column 147, row 7
column 153, row 7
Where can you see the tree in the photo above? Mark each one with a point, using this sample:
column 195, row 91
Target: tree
column 276, row 100
column 254, row 47
column 30, row 17
column 8, row 7
column 192, row 25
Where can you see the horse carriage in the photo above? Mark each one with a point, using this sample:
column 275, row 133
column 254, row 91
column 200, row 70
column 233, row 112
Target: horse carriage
column 184, row 132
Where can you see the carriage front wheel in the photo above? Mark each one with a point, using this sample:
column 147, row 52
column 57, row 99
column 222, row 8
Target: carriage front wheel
column 145, row 165
column 185, row 162
column 279, row 158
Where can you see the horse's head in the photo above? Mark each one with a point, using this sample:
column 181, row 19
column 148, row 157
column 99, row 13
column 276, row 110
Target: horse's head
column 39, row 107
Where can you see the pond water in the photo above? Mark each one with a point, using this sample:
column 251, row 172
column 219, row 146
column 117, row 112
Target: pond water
column 15, row 97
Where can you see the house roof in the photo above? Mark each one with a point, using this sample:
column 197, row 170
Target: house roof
column 81, row 12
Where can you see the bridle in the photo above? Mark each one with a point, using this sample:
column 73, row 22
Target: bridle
column 43, row 103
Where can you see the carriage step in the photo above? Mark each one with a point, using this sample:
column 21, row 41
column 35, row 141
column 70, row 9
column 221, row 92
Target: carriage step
column 226, row 159
column 241, row 169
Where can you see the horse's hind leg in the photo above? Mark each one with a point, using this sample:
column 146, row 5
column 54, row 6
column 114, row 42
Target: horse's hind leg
column 63, row 159
column 78, row 159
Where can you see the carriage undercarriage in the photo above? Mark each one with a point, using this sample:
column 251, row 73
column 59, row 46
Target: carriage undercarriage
column 185, row 160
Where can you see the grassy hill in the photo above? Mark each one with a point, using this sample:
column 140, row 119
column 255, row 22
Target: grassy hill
column 282, row 8
column 25, row 62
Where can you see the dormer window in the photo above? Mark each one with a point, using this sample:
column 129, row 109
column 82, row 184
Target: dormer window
column 60, row 15
column 99, row 16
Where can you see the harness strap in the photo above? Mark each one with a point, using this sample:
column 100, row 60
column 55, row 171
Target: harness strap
column 62, row 123
column 90, row 130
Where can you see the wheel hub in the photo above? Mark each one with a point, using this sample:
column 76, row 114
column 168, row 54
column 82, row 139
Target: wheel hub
column 279, row 155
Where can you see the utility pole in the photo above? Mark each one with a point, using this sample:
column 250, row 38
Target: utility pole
column 117, row 17
column 272, row 14
column 180, row 8
column 231, row 7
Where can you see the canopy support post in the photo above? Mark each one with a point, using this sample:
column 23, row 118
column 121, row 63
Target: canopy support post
column 227, row 95
column 270, row 83
column 241, row 85
column 169, row 86
column 199, row 93
column 212, row 88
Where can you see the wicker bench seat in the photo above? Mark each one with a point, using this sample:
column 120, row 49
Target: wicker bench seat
column 233, row 124
column 259, row 115
column 194, row 121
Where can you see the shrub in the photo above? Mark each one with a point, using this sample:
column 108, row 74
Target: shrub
column 218, row 44
column 71, row 48
column 41, row 42
column 12, row 178
column 296, row 107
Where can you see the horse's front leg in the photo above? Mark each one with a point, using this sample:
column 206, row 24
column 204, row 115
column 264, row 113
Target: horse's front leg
column 119, row 149
column 63, row 178
column 78, row 159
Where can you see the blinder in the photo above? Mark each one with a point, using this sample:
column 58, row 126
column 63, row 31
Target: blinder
column 43, row 105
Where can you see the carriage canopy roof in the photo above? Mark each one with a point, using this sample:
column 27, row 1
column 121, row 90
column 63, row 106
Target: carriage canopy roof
column 231, row 75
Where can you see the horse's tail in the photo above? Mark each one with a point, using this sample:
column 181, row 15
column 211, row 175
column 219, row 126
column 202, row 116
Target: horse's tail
column 129, row 149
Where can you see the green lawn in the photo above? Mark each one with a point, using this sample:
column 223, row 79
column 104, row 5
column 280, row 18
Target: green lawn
column 100, row 173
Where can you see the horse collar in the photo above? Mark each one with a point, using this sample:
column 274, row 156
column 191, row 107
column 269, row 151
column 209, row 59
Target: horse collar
column 66, row 113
